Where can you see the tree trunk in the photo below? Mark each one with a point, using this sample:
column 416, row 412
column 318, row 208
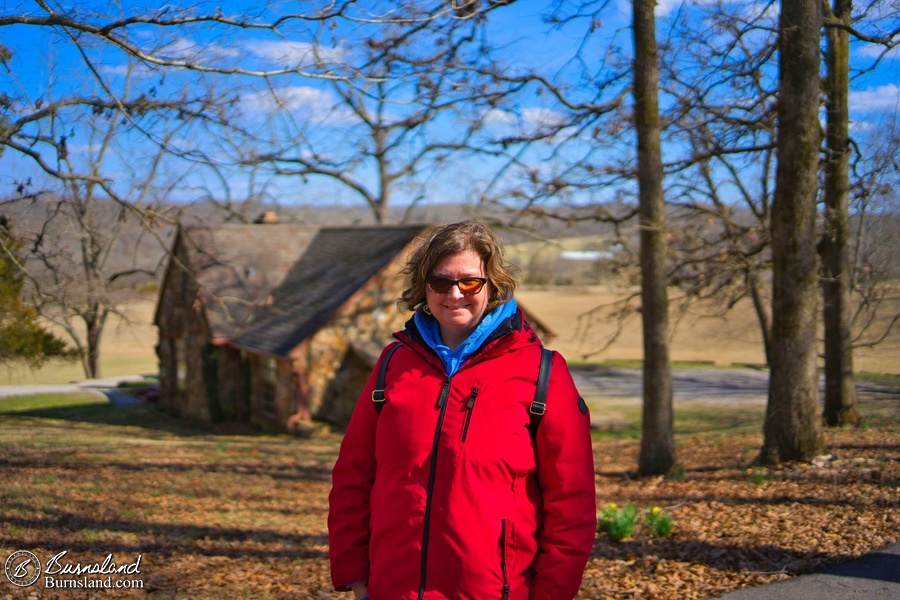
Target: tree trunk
column 94, row 321
column 793, row 427
column 657, row 440
column 840, row 389
column 762, row 314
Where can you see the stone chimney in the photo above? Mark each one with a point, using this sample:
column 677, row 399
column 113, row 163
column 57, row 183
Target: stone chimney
column 267, row 218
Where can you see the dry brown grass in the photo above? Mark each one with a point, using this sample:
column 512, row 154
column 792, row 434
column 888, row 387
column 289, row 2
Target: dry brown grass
column 219, row 515
column 128, row 346
column 127, row 349
column 731, row 339
column 737, row 525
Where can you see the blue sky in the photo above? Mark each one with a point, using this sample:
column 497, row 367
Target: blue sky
column 45, row 66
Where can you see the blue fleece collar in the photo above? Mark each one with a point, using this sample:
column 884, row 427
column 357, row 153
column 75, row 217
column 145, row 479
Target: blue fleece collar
column 454, row 359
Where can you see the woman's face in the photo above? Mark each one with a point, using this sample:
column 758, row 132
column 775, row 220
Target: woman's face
column 458, row 314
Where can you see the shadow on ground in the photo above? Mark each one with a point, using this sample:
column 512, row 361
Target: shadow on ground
column 146, row 416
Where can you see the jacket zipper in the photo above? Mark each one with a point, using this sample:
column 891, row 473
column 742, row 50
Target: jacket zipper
column 426, row 531
column 503, row 559
column 469, row 406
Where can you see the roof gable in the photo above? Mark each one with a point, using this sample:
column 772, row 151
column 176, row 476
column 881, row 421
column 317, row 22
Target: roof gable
column 336, row 263
column 238, row 266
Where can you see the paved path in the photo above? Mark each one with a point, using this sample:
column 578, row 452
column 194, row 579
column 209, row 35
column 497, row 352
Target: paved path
column 704, row 384
column 596, row 384
column 875, row 576
column 102, row 387
column 695, row 383
column 601, row 386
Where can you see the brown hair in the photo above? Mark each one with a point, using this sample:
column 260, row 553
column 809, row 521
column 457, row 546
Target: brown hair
column 453, row 239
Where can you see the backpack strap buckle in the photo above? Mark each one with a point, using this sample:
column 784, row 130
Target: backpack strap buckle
column 378, row 396
column 539, row 405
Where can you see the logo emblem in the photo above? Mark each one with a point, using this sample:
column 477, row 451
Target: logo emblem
column 22, row 568
column 582, row 405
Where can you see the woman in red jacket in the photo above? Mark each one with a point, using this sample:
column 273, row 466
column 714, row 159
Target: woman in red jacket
column 449, row 491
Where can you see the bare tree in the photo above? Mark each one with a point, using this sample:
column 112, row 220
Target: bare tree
column 22, row 338
column 724, row 187
column 85, row 251
column 402, row 128
column 874, row 265
column 840, row 389
column 721, row 189
column 657, row 435
column 151, row 87
column 793, row 427
column 837, row 284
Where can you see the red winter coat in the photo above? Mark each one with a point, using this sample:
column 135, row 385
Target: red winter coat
column 444, row 495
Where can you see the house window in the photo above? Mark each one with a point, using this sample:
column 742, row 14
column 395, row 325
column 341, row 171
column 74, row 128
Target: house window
column 270, row 387
column 180, row 364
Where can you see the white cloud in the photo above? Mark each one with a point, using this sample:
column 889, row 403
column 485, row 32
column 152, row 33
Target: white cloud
column 542, row 117
column 309, row 102
column 528, row 120
column 875, row 51
column 750, row 11
column 294, row 54
column 882, row 98
column 665, row 7
column 861, row 126
column 182, row 49
column 139, row 71
column 495, row 116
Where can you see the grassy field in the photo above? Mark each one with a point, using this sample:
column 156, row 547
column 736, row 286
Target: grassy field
column 732, row 339
column 219, row 513
column 128, row 346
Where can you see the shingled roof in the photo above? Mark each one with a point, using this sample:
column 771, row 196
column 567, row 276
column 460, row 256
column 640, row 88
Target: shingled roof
column 336, row 263
column 238, row 266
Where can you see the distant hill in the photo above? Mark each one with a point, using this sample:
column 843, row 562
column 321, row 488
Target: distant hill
column 138, row 246
column 536, row 240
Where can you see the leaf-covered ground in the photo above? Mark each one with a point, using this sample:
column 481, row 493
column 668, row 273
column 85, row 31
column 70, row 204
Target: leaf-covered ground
column 219, row 514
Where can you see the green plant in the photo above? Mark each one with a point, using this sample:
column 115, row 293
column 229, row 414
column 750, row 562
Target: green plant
column 23, row 338
column 676, row 474
column 759, row 478
column 659, row 523
column 92, row 535
column 44, row 478
column 617, row 522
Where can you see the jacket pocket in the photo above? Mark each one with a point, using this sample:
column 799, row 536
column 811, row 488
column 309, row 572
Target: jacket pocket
column 503, row 559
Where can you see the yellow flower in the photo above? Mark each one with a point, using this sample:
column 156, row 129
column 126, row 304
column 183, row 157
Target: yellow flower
column 612, row 506
column 655, row 510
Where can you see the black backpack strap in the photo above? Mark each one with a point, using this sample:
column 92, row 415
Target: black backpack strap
column 378, row 396
column 539, row 404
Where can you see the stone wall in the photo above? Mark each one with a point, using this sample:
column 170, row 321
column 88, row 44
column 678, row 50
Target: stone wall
column 330, row 371
column 181, row 324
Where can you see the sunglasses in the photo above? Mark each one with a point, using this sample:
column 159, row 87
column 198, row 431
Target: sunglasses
column 468, row 286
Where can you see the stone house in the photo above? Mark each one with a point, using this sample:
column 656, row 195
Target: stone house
column 215, row 279
column 245, row 312
column 312, row 348
column 278, row 324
